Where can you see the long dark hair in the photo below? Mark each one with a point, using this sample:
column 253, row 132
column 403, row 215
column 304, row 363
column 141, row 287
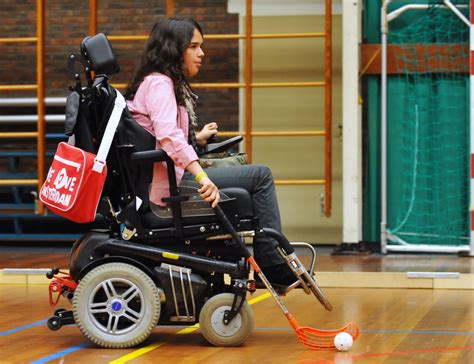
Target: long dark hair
column 163, row 53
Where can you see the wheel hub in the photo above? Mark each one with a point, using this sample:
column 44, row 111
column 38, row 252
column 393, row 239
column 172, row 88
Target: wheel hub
column 116, row 306
column 217, row 321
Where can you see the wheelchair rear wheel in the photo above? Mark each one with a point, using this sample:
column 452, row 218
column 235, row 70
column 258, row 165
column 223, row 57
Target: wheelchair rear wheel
column 213, row 328
column 116, row 305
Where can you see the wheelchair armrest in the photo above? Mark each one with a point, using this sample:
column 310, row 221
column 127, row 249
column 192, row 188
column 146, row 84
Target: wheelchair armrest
column 151, row 156
column 222, row 146
column 159, row 155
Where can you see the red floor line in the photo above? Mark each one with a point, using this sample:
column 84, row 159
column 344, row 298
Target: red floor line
column 408, row 352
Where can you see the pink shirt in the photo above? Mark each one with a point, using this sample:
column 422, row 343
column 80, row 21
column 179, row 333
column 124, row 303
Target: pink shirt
column 154, row 107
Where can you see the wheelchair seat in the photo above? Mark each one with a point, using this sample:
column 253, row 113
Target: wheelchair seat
column 243, row 208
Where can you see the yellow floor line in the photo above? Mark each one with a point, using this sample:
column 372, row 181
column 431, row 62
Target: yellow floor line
column 140, row 352
column 260, row 298
column 137, row 353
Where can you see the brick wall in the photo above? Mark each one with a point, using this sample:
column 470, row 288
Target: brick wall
column 67, row 22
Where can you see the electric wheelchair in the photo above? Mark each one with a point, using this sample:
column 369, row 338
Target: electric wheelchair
column 185, row 263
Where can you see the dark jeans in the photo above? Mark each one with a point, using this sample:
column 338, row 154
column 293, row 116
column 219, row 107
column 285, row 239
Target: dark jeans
column 258, row 181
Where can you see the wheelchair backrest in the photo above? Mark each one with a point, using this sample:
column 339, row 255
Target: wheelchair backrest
column 100, row 55
column 88, row 110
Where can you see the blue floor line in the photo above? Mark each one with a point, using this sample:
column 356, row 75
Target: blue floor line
column 72, row 349
column 59, row 354
column 12, row 331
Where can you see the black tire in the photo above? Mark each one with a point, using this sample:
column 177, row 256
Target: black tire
column 214, row 330
column 54, row 323
column 116, row 305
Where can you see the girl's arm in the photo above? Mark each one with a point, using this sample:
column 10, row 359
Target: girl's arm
column 161, row 106
column 209, row 191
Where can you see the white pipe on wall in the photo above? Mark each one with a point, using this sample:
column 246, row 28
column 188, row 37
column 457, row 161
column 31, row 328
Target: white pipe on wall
column 352, row 125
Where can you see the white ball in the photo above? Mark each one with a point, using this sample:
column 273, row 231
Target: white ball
column 343, row 341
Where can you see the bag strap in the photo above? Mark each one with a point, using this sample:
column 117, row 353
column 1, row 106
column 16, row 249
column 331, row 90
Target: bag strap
column 99, row 161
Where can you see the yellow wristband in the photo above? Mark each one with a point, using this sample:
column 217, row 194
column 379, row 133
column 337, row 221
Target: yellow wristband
column 200, row 176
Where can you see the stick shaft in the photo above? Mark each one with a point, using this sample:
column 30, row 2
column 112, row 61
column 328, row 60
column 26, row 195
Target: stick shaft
column 274, row 294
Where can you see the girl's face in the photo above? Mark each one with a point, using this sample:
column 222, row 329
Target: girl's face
column 193, row 55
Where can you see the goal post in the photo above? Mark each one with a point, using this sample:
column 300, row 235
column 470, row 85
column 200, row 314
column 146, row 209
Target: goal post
column 427, row 144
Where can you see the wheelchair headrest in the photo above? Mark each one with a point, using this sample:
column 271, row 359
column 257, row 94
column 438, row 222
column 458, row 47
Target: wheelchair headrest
column 100, row 55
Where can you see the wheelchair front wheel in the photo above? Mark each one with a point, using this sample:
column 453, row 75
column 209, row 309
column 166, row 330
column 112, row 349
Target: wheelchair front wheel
column 213, row 328
column 116, row 305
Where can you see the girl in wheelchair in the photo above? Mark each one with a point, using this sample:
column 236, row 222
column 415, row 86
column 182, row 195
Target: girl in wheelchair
column 162, row 102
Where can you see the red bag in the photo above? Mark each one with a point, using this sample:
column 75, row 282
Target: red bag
column 76, row 178
column 74, row 184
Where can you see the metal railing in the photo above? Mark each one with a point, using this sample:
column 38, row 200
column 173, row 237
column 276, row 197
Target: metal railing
column 40, row 92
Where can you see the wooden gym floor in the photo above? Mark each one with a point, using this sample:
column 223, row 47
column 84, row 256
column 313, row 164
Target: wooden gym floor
column 404, row 317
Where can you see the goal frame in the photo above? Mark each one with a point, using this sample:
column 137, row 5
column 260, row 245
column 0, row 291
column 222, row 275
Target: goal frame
column 402, row 246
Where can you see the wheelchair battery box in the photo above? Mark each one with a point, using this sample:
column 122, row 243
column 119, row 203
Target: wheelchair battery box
column 183, row 290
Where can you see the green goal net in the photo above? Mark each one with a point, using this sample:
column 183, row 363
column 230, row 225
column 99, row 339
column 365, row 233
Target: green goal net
column 428, row 128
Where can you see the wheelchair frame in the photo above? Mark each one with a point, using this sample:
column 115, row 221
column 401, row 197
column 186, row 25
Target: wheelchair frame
column 127, row 278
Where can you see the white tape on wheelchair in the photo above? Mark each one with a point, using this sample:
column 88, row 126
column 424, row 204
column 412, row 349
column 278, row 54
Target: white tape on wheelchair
column 112, row 124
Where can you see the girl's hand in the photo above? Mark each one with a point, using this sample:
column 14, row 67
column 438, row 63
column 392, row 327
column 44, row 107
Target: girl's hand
column 207, row 131
column 209, row 191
